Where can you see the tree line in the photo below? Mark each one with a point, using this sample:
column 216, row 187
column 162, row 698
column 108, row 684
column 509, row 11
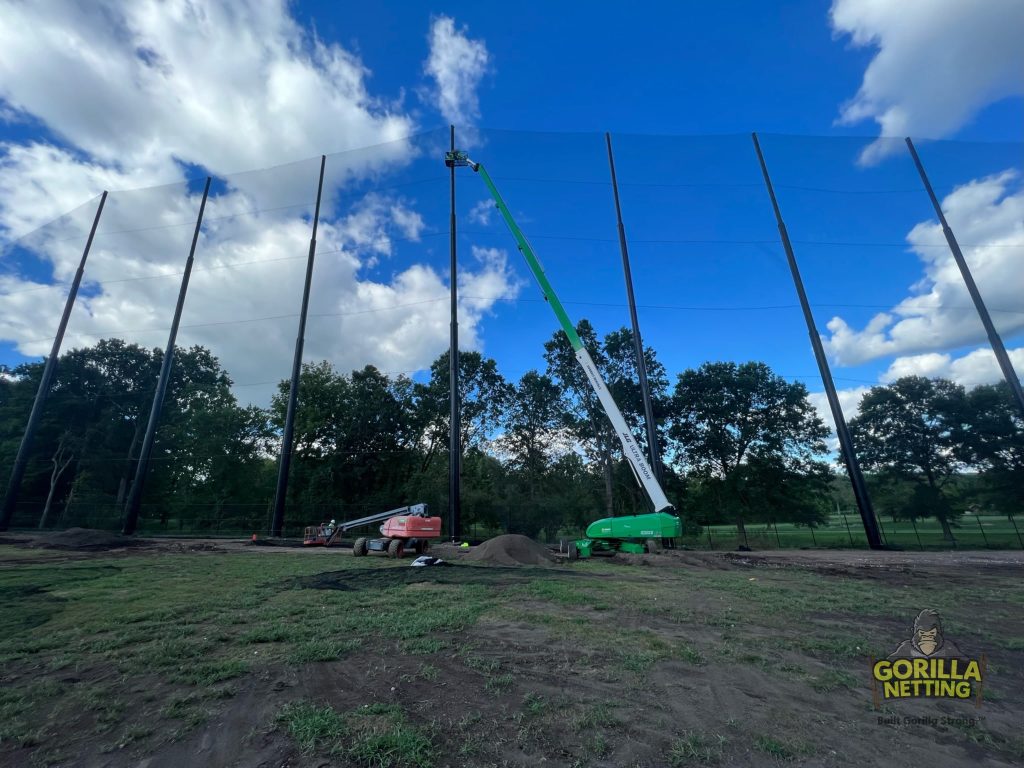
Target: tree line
column 739, row 443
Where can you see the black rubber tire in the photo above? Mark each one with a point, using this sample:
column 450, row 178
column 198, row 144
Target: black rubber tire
column 652, row 546
column 574, row 552
column 359, row 548
column 396, row 548
column 424, row 546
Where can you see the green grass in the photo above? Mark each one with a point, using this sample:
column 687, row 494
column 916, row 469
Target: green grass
column 163, row 640
column 534, row 704
column 835, row 679
column 696, row 748
column 321, row 649
column 311, row 727
column 499, row 683
column 783, row 749
column 999, row 533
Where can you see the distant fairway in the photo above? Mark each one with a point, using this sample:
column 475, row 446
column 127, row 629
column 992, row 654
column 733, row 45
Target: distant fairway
column 973, row 532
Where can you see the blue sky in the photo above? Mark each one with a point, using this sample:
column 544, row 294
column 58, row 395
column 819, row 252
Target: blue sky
column 133, row 95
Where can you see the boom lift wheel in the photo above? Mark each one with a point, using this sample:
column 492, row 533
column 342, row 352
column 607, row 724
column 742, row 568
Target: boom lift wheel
column 653, row 546
column 396, row 548
column 359, row 548
column 574, row 553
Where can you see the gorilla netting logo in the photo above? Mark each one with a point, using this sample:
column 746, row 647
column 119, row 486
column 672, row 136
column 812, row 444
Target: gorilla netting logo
column 927, row 665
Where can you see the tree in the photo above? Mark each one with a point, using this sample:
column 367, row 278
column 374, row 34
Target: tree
column 356, row 436
column 533, row 419
column 623, row 380
column 995, row 442
column 483, row 394
column 125, row 377
column 753, row 439
column 208, row 451
column 584, row 414
column 914, row 429
column 61, row 460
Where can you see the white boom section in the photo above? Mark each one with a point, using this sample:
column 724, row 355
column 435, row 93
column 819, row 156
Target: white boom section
column 630, row 449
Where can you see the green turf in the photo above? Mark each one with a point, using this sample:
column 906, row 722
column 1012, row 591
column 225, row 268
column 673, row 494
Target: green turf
column 188, row 630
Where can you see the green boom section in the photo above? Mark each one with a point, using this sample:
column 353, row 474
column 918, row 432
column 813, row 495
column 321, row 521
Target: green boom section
column 533, row 261
column 655, row 525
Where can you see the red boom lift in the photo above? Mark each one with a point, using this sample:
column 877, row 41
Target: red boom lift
column 405, row 528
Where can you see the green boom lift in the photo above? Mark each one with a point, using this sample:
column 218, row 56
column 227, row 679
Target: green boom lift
column 630, row 533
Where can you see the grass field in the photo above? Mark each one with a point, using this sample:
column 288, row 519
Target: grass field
column 250, row 657
column 973, row 532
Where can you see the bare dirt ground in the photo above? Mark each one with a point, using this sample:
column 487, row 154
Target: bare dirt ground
column 676, row 659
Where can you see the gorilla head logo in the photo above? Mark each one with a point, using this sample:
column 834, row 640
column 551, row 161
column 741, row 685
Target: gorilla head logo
column 927, row 640
column 927, row 632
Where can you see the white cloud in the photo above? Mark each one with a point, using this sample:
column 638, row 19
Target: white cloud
column 970, row 370
column 456, row 64
column 929, row 365
column 976, row 367
column 939, row 315
column 226, row 86
column 248, row 315
column 849, row 402
column 938, row 63
column 39, row 182
column 132, row 92
column 408, row 221
column 480, row 213
column 493, row 280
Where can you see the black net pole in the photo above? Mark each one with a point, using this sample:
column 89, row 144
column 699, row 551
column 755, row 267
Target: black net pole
column 848, row 531
column 288, row 438
column 977, row 519
column 860, row 491
column 21, row 461
column 1016, row 530
column 913, row 522
column 455, row 424
column 993, row 336
column 641, row 364
column 131, row 507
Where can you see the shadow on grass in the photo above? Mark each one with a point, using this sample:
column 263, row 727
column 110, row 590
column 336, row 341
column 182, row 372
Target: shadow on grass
column 451, row 574
column 27, row 607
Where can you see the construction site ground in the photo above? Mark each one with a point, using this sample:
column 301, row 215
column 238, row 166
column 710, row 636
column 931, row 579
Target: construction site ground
column 221, row 653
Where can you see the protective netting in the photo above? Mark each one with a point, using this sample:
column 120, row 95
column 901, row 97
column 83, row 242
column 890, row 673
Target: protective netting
column 711, row 283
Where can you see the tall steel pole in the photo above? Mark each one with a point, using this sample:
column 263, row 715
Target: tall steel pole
column 132, row 505
column 18, row 470
column 993, row 336
column 455, row 423
column 293, row 392
column 860, row 490
column 641, row 363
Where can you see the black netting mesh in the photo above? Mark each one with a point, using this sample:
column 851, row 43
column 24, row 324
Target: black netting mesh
column 711, row 283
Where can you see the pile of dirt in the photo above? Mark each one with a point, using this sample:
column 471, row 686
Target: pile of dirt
column 87, row 539
column 511, row 549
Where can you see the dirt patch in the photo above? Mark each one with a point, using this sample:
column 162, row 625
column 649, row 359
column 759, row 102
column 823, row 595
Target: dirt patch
column 683, row 674
column 87, row 539
column 511, row 549
column 883, row 566
column 193, row 546
column 497, row 576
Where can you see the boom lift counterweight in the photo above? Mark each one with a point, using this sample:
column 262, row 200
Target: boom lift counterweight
column 631, row 533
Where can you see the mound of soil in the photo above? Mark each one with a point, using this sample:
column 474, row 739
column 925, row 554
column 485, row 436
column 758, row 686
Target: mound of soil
column 87, row 539
column 511, row 549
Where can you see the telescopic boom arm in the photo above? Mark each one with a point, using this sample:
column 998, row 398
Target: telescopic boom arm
column 630, row 449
